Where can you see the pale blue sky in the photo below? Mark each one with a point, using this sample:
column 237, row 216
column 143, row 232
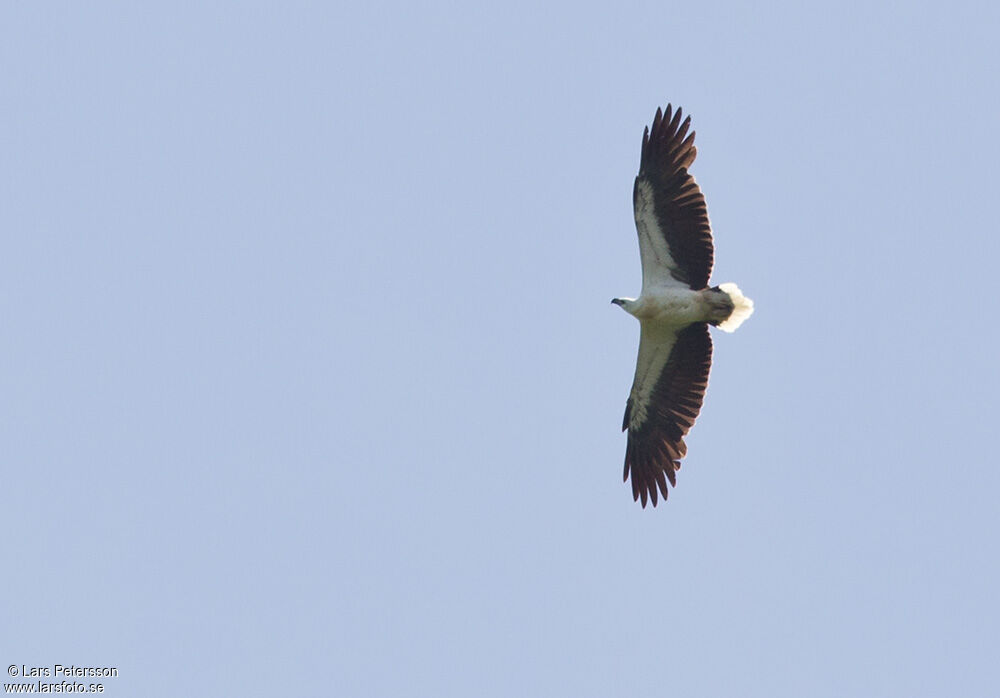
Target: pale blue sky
column 311, row 383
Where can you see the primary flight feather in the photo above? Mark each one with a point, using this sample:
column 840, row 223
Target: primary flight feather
column 674, row 308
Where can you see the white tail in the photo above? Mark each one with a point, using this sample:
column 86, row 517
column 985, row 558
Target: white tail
column 742, row 308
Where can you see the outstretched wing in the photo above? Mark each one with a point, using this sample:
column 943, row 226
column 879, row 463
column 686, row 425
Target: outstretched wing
column 671, row 376
column 675, row 237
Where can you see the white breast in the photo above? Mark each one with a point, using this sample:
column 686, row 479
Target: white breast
column 671, row 305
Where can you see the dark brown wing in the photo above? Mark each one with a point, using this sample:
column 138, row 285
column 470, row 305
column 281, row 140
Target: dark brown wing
column 657, row 427
column 675, row 237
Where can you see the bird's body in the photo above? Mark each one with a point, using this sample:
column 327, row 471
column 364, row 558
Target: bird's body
column 678, row 306
column 674, row 309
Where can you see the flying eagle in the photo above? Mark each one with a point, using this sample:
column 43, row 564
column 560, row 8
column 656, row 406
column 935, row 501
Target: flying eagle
column 674, row 309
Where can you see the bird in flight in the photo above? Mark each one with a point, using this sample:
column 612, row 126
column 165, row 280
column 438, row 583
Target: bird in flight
column 674, row 308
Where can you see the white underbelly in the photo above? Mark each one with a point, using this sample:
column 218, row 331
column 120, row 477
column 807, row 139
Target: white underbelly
column 672, row 305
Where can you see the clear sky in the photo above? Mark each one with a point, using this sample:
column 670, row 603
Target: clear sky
column 311, row 384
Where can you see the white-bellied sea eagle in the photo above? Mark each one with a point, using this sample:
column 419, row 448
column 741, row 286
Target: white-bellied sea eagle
column 674, row 309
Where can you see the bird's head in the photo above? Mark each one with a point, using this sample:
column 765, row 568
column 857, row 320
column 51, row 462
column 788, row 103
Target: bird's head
column 629, row 305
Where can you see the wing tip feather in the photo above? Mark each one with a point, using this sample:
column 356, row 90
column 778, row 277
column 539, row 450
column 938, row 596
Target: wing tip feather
column 673, row 147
